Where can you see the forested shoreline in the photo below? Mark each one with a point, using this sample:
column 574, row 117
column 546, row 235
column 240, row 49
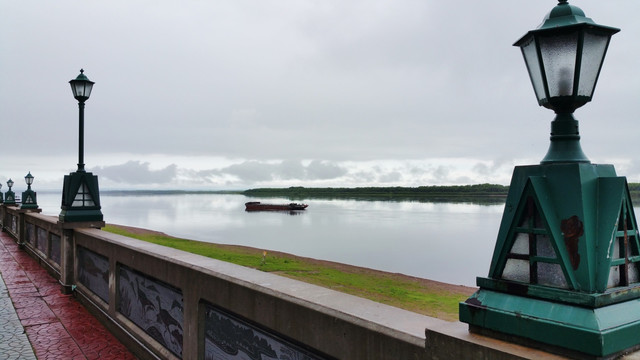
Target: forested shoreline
column 482, row 192
column 485, row 192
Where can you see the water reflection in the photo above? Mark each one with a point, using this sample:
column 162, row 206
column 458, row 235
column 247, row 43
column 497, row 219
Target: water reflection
column 283, row 212
column 450, row 242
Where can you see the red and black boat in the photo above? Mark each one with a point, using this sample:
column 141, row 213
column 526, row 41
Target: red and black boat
column 258, row 206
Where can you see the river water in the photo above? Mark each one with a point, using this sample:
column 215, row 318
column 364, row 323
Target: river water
column 449, row 242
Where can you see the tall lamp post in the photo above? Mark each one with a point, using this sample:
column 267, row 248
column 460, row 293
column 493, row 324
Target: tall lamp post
column 565, row 271
column 80, row 193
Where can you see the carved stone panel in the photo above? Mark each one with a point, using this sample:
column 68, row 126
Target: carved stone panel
column 93, row 272
column 55, row 251
column 156, row 307
column 41, row 238
column 229, row 337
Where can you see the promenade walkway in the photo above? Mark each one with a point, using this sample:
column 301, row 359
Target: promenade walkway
column 38, row 322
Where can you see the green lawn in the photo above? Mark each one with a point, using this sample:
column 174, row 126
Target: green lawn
column 417, row 295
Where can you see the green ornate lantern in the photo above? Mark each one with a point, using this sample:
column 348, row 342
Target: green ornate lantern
column 565, row 271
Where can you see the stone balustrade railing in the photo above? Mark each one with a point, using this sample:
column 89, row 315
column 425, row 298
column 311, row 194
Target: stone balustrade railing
column 170, row 304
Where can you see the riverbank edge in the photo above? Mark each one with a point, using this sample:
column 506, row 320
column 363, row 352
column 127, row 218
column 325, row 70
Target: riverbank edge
column 423, row 296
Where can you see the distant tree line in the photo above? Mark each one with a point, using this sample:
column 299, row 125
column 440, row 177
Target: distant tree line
column 490, row 192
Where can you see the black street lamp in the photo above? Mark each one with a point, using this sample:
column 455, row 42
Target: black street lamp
column 80, row 193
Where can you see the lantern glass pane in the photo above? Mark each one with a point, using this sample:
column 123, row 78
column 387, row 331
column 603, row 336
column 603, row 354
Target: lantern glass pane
column 615, row 251
column 530, row 54
column 544, row 247
column 551, row 275
column 594, row 49
column 559, row 59
column 88, row 86
column 78, row 89
column 521, row 244
column 516, row 270
column 633, row 273
column 83, row 197
column 614, row 277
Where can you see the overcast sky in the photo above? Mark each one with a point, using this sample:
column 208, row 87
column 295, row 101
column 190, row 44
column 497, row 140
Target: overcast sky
column 201, row 94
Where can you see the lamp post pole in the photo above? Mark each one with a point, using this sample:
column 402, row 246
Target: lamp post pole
column 81, row 137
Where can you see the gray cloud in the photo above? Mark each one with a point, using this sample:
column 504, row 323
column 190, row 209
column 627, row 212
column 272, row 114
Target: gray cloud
column 255, row 171
column 137, row 173
column 273, row 83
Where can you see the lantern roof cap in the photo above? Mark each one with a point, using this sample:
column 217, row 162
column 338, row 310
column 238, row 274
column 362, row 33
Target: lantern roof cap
column 565, row 14
column 82, row 77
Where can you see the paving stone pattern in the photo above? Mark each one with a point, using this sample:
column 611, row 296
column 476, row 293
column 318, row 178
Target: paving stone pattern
column 38, row 322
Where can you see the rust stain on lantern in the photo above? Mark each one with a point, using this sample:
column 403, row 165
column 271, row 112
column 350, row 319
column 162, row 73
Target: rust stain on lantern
column 572, row 228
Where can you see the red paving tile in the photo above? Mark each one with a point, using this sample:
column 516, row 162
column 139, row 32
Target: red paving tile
column 57, row 325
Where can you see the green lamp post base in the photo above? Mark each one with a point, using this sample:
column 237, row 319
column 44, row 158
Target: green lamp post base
column 595, row 333
column 80, row 199
column 10, row 198
column 565, row 271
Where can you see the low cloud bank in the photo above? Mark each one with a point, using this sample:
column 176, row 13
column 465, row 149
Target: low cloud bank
column 253, row 173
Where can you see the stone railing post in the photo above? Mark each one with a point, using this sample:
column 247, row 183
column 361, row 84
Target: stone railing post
column 67, row 261
column 22, row 233
column 3, row 213
column 6, row 222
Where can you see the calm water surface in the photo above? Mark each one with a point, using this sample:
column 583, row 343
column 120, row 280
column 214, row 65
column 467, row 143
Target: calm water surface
column 449, row 242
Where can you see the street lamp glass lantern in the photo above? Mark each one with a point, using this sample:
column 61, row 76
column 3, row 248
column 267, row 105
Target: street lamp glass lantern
column 81, row 87
column 564, row 56
column 29, row 179
column 10, row 183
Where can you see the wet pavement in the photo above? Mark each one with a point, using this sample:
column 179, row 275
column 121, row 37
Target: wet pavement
column 38, row 322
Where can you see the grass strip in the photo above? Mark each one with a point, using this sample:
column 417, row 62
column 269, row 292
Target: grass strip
column 422, row 296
